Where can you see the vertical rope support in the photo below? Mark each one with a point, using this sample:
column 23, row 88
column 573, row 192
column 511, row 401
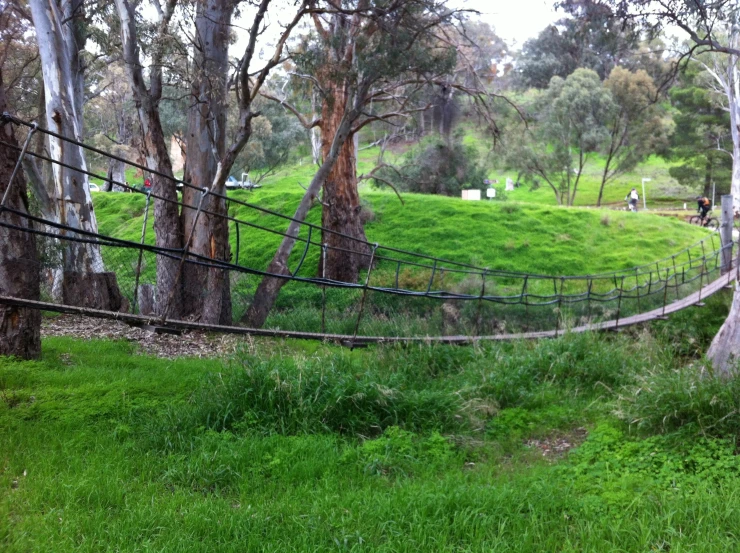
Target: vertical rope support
column 480, row 301
column 523, row 298
column 305, row 252
column 588, row 299
column 675, row 275
column 431, row 279
column 185, row 250
column 650, row 283
column 665, row 290
column 17, row 166
column 619, row 303
column 141, row 250
column 637, row 290
column 364, row 294
column 238, row 244
column 398, row 270
column 323, row 288
column 560, row 306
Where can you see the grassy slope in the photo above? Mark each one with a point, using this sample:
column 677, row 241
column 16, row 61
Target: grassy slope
column 105, row 450
column 502, row 235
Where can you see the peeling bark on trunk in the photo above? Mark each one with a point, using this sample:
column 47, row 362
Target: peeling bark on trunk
column 269, row 287
column 167, row 226
column 725, row 349
column 19, row 269
column 60, row 39
column 345, row 257
column 207, row 291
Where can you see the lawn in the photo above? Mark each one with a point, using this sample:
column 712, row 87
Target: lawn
column 289, row 446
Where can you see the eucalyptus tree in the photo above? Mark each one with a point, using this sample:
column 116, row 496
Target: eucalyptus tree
column 201, row 293
column 367, row 59
column 567, row 127
column 636, row 126
column 19, row 272
column 61, row 34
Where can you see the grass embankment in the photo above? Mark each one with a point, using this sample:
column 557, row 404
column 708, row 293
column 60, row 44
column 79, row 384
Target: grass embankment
column 304, row 447
column 510, row 236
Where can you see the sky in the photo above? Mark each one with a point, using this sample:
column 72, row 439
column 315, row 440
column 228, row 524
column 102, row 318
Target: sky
column 514, row 20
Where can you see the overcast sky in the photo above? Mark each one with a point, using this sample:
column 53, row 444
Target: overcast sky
column 514, row 20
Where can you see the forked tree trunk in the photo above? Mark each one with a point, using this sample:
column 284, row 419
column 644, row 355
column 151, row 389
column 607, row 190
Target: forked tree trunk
column 167, row 226
column 60, row 39
column 19, row 269
column 344, row 236
column 269, row 288
column 206, row 290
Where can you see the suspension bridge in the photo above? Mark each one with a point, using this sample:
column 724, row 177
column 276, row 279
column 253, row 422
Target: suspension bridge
column 439, row 300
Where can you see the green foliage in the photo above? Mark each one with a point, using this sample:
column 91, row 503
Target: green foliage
column 620, row 469
column 568, row 124
column 701, row 134
column 86, row 465
column 591, row 38
column 437, row 166
column 399, row 452
column 683, row 397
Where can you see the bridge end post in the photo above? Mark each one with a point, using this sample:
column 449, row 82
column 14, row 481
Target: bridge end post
column 726, row 232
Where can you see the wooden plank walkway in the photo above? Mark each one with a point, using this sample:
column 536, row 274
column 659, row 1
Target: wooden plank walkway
column 141, row 320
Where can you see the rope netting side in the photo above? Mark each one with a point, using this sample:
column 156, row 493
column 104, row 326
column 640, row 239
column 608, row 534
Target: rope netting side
column 401, row 294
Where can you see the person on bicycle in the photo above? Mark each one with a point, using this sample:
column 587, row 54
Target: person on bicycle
column 704, row 205
column 632, row 199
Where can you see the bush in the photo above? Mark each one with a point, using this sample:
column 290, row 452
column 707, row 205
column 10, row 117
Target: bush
column 437, row 166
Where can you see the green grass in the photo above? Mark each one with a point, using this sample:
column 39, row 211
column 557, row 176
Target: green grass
column 305, row 447
column 510, row 236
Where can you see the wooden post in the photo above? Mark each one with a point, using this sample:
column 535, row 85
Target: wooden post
column 665, row 290
column 726, row 232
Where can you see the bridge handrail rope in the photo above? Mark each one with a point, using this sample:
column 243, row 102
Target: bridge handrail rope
column 472, row 269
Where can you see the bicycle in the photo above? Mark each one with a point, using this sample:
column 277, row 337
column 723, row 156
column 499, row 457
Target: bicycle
column 712, row 223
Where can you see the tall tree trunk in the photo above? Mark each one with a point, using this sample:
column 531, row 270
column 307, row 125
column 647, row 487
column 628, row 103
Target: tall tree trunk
column 207, row 291
column 725, row 349
column 167, row 227
column 345, row 255
column 60, row 39
column 269, row 287
column 19, row 269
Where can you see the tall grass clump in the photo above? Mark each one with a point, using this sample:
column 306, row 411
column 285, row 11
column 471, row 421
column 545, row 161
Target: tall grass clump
column 689, row 398
column 338, row 393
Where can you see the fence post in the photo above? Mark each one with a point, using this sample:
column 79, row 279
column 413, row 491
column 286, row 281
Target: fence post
column 726, row 232
column 141, row 251
column 637, row 289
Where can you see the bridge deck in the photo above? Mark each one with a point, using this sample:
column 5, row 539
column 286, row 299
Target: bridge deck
column 141, row 320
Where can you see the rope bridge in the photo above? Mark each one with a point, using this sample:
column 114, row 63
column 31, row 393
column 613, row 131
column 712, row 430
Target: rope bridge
column 402, row 296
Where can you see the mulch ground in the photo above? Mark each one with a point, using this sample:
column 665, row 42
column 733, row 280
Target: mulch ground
column 169, row 346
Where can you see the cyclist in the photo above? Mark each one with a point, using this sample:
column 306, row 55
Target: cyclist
column 704, row 205
column 632, row 199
